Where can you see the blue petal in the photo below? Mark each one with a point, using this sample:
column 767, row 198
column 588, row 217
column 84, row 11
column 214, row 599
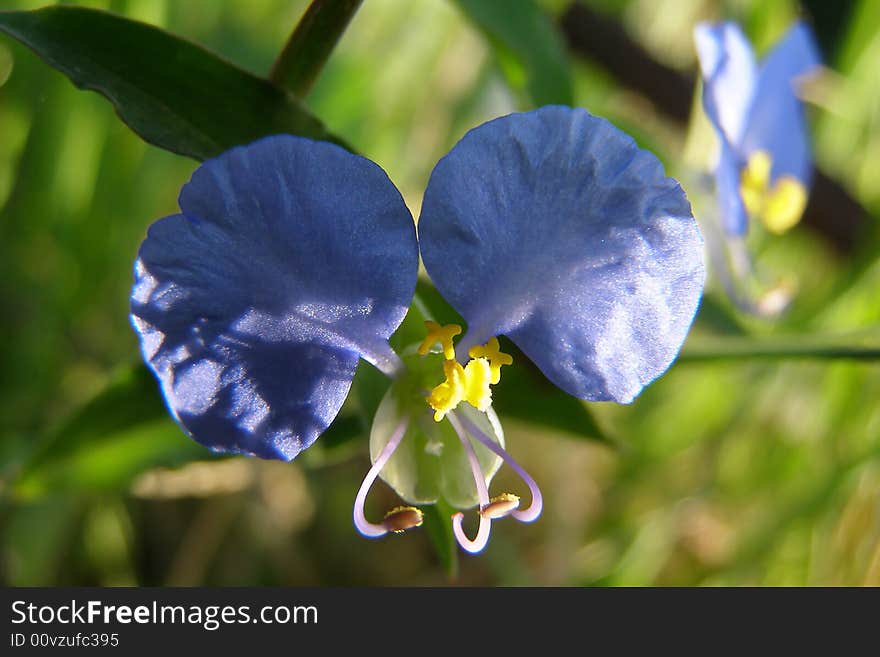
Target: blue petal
column 554, row 228
column 291, row 259
column 728, row 67
column 733, row 214
column 776, row 121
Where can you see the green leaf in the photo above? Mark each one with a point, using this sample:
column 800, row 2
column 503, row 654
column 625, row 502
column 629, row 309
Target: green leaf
column 526, row 395
column 173, row 93
column 124, row 430
column 519, row 29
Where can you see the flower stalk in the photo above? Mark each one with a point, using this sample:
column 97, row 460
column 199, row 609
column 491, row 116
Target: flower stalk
column 311, row 43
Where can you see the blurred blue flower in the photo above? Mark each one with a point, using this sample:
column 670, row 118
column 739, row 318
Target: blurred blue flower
column 291, row 259
column 764, row 165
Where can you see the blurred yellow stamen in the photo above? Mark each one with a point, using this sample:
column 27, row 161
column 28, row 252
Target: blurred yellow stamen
column 779, row 208
column 754, row 181
column 784, row 205
column 442, row 335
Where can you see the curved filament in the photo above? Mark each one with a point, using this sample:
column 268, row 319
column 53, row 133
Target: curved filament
column 537, row 505
column 482, row 538
column 363, row 525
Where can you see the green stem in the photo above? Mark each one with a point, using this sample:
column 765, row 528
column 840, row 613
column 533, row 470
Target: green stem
column 857, row 347
column 311, row 43
column 439, row 530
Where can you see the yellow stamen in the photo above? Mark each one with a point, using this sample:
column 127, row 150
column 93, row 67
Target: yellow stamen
column 477, row 379
column 779, row 208
column 472, row 382
column 441, row 334
column 755, row 180
column 446, row 396
column 492, row 352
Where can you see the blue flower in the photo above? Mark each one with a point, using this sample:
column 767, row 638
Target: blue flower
column 764, row 165
column 291, row 259
column 555, row 229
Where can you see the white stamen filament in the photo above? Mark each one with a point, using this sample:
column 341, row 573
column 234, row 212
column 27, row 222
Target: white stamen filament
column 482, row 538
column 523, row 515
column 363, row 525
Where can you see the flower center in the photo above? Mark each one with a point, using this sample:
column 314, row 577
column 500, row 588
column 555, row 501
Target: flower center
column 780, row 206
column 471, row 382
column 428, row 466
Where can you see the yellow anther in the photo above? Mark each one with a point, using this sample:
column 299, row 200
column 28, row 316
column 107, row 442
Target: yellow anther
column 441, row 334
column 492, row 352
column 779, row 208
column 784, row 205
column 754, row 180
column 471, row 383
column 446, row 396
column 477, row 379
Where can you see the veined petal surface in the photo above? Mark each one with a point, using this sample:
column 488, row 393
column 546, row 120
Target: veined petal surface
column 554, row 228
column 290, row 260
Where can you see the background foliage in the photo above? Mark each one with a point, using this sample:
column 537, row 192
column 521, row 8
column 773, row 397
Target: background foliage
column 742, row 465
